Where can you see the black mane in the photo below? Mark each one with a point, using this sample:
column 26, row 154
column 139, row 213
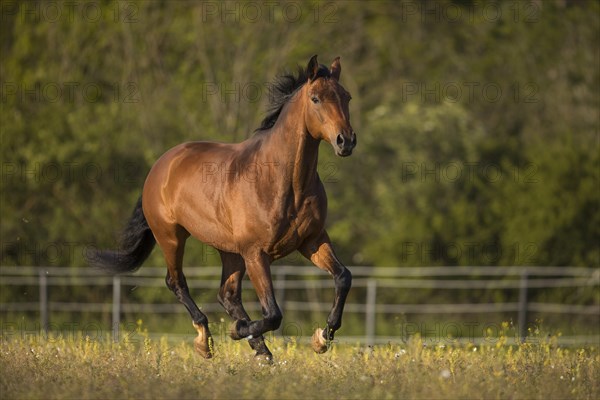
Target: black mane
column 282, row 89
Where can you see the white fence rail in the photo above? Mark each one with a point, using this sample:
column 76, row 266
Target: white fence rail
column 286, row 278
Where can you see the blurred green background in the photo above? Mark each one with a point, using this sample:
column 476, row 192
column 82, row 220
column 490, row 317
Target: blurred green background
column 477, row 122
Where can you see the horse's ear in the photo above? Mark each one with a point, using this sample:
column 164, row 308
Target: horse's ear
column 336, row 69
column 312, row 68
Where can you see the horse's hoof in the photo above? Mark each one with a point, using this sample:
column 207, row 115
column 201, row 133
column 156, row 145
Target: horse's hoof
column 318, row 342
column 203, row 343
column 203, row 347
column 234, row 329
column 264, row 359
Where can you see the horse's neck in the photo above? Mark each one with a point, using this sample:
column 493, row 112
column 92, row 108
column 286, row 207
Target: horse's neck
column 296, row 152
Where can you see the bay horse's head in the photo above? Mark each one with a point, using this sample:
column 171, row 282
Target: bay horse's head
column 327, row 115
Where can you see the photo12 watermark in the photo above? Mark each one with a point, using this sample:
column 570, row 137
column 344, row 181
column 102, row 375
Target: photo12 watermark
column 71, row 331
column 515, row 11
column 455, row 333
column 20, row 251
column 69, row 92
column 120, row 172
column 468, row 172
column 469, row 92
column 253, row 12
column 469, row 253
column 94, row 12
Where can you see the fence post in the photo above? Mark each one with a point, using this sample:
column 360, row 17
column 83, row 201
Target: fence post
column 43, row 300
column 523, row 305
column 370, row 311
column 116, row 307
column 280, row 293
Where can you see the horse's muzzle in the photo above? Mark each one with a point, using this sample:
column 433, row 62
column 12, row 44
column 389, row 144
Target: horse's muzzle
column 345, row 144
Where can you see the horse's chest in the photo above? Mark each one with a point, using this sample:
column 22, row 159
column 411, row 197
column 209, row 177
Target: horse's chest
column 298, row 224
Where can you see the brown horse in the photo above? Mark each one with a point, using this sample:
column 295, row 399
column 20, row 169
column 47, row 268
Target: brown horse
column 254, row 201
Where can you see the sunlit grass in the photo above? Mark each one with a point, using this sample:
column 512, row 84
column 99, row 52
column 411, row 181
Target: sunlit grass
column 78, row 367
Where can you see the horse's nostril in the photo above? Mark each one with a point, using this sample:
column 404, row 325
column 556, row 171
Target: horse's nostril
column 340, row 139
column 353, row 140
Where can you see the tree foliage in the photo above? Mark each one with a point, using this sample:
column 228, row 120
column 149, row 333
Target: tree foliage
column 477, row 121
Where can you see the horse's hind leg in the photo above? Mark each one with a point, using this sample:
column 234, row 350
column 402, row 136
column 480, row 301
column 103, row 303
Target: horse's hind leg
column 172, row 246
column 230, row 297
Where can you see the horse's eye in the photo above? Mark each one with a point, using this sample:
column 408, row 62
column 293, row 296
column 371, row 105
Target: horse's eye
column 315, row 99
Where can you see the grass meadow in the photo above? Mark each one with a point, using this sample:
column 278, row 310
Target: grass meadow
column 78, row 367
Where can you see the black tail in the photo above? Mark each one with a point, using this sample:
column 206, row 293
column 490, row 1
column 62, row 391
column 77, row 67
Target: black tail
column 137, row 243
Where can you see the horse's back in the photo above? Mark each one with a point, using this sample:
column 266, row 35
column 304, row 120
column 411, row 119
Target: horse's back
column 180, row 161
column 187, row 174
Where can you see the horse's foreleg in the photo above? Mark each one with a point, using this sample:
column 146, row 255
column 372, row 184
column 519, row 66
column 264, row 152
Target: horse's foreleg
column 259, row 271
column 320, row 252
column 230, row 297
